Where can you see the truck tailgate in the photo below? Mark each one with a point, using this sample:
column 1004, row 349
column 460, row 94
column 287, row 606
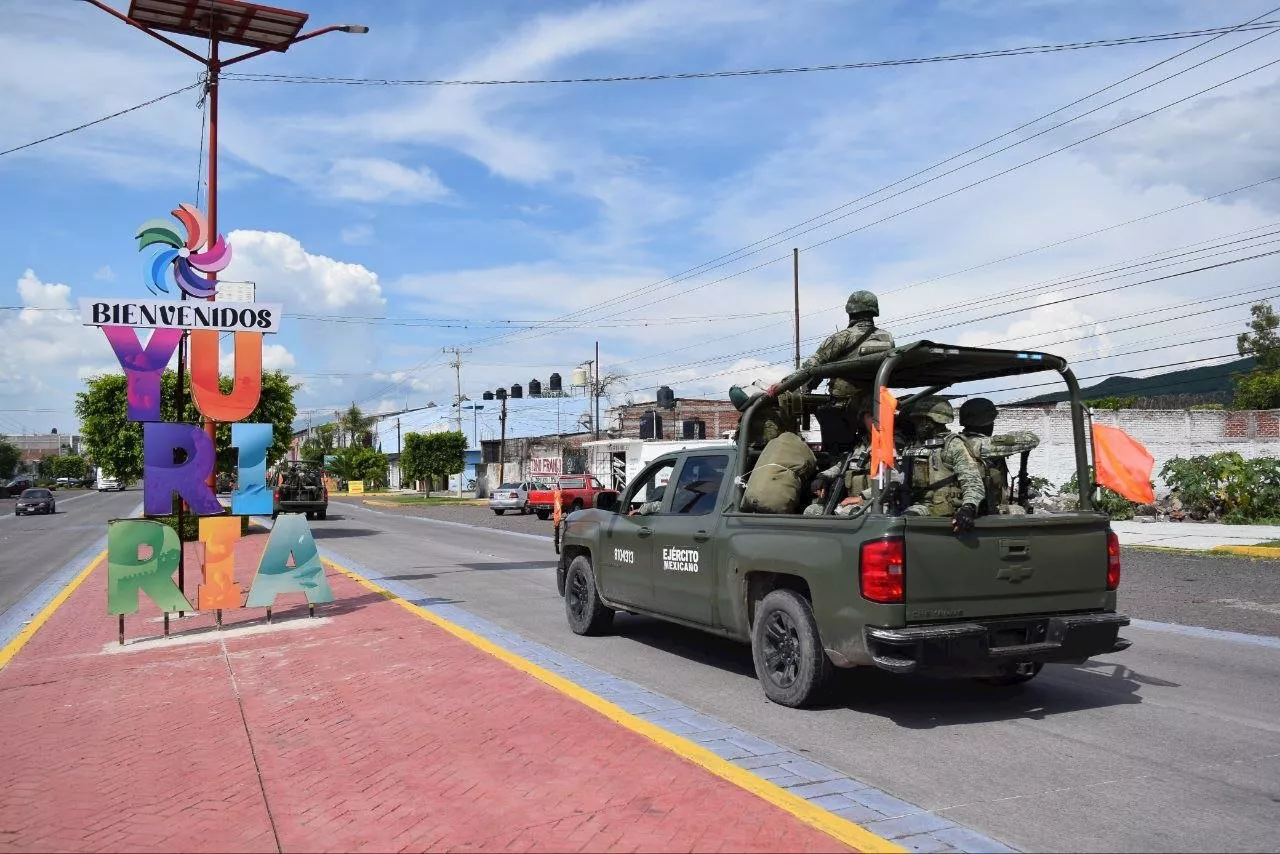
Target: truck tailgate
column 1006, row 566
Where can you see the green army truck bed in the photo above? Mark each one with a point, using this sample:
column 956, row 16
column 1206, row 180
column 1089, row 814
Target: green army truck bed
column 901, row 593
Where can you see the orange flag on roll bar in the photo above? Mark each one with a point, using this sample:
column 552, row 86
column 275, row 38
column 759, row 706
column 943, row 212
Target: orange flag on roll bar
column 1122, row 464
column 882, row 450
column 557, row 507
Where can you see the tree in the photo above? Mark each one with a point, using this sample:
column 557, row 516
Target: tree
column 1260, row 388
column 355, row 462
column 67, row 465
column 115, row 442
column 355, row 425
column 446, row 453
column 10, row 454
column 415, row 458
column 320, row 445
column 1263, row 340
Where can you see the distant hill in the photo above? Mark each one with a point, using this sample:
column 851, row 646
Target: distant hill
column 1211, row 383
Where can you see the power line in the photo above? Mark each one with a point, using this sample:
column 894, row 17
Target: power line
column 761, row 72
column 742, row 253
column 117, row 114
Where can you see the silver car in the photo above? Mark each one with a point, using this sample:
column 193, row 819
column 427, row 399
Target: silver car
column 510, row 496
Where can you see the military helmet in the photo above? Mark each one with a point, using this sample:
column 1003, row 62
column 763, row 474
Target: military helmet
column 936, row 409
column 862, row 302
column 977, row 412
column 738, row 397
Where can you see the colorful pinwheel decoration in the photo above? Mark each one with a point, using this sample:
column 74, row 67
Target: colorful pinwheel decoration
column 184, row 256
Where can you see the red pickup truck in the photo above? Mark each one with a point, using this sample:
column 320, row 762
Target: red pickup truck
column 576, row 492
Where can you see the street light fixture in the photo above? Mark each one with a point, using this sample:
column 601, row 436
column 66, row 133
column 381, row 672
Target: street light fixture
column 265, row 29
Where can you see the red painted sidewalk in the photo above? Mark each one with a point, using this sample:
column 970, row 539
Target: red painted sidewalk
column 367, row 729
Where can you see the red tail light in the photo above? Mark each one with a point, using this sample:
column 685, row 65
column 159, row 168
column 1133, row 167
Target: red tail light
column 276, row 496
column 880, row 568
column 326, row 493
column 1113, row 561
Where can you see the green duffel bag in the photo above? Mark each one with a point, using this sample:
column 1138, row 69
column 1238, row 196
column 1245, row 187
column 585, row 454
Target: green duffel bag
column 785, row 465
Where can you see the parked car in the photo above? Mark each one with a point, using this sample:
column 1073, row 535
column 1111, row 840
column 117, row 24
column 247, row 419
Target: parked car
column 576, row 492
column 38, row 500
column 15, row 487
column 65, row 481
column 511, row 496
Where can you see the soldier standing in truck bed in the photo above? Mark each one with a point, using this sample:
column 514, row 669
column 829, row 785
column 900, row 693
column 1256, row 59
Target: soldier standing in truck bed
column 859, row 338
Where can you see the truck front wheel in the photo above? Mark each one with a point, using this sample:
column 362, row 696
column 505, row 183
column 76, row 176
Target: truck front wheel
column 787, row 650
column 587, row 614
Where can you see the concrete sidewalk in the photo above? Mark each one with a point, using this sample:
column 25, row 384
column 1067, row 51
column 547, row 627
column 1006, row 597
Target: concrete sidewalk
column 367, row 728
column 1196, row 535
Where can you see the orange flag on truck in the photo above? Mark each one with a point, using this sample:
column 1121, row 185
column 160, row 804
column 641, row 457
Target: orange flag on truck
column 1122, row 464
column 882, row 450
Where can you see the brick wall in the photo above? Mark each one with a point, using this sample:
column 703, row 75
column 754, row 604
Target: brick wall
column 1166, row 433
column 718, row 415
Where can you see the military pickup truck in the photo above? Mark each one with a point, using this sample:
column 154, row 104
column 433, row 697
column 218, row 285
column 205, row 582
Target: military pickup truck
column 871, row 589
column 299, row 488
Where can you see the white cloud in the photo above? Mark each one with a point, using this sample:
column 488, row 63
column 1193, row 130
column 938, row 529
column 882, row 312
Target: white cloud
column 306, row 282
column 357, row 235
column 275, row 357
column 104, row 274
column 372, row 179
column 42, row 295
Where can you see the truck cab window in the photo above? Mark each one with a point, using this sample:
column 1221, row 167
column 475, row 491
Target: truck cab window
column 646, row 494
column 699, row 485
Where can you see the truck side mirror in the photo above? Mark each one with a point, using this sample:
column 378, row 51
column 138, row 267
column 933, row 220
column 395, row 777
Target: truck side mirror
column 607, row 501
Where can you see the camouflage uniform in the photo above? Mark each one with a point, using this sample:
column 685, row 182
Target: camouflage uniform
column 858, row 339
column 947, row 475
column 977, row 417
column 771, row 419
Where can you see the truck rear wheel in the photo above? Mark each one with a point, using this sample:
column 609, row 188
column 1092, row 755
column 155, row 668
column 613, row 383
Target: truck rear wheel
column 1014, row 674
column 587, row 614
column 787, row 650
column 544, row 515
column 498, row 512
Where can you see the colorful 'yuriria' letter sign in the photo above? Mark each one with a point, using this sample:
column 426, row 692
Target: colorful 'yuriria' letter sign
column 143, row 366
column 290, row 538
column 130, row 570
column 142, row 554
column 247, row 388
column 162, row 476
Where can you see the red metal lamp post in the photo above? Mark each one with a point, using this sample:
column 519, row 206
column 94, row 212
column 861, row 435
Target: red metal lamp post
column 263, row 29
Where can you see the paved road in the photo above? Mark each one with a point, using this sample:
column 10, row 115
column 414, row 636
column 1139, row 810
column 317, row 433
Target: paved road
column 1214, row 591
column 34, row 547
column 1172, row 745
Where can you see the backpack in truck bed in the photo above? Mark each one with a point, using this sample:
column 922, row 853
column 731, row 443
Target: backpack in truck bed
column 784, row 467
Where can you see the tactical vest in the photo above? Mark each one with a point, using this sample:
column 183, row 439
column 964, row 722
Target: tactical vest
column 935, row 483
column 995, row 475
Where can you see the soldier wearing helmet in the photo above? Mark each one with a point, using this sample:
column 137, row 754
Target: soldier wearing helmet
column 859, row 338
column 977, row 424
column 947, row 479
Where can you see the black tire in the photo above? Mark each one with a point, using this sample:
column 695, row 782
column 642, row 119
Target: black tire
column 576, row 505
column 787, row 650
column 499, row 512
column 310, row 515
column 1018, row 673
column 524, row 508
column 544, row 515
column 321, row 514
column 586, row 613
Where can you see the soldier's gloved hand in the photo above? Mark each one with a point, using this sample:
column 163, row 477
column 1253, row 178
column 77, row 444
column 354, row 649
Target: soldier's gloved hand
column 771, row 391
column 963, row 520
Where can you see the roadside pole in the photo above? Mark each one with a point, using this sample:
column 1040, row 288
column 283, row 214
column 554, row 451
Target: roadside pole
column 502, row 440
column 795, row 278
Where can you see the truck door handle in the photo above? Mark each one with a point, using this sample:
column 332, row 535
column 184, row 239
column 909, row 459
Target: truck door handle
column 1014, row 549
column 701, row 537
column 644, row 532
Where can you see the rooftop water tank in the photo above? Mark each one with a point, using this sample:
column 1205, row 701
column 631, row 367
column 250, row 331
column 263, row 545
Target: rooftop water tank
column 517, row 391
column 553, row 382
column 488, row 395
column 501, row 394
column 535, row 388
column 666, row 398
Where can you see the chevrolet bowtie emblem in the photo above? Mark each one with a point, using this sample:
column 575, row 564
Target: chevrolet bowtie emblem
column 1014, row 574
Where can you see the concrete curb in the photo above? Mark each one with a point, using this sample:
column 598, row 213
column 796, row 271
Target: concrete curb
column 374, row 502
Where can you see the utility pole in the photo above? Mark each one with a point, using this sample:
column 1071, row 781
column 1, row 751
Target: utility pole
column 502, row 440
column 399, row 467
column 596, row 388
column 795, row 277
column 456, row 364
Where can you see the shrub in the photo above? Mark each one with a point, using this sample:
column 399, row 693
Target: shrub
column 1238, row 490
column 1113, row 504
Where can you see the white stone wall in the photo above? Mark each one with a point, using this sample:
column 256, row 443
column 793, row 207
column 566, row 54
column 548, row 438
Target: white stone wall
column 1166, row 433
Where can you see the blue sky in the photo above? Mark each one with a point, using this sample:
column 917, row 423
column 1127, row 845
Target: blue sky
column 480, row 205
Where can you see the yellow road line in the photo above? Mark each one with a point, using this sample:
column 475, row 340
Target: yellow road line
column 12, row 647
column 838, row 828
column 1248, row 551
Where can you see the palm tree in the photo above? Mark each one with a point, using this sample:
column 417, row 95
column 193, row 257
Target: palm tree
column 356, row 425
